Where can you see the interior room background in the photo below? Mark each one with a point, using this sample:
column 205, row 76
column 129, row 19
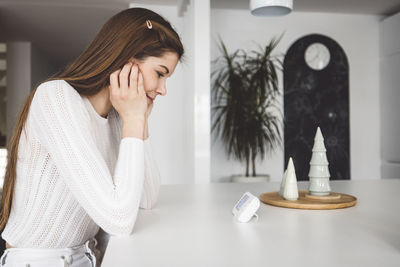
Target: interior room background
column 38, row 40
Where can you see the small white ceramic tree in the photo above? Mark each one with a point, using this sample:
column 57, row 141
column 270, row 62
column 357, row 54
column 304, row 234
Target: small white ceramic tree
column 319, row 171
column 290, row 191
column 283, row 183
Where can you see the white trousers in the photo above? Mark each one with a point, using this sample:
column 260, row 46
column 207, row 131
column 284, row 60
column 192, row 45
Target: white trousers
column 79, row 256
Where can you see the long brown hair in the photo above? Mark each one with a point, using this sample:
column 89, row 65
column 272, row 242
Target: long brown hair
column 123, row 36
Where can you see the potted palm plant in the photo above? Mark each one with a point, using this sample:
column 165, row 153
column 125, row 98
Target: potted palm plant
column 246, row 115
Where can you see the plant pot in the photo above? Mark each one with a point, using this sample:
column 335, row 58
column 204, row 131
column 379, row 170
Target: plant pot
column 250, row 179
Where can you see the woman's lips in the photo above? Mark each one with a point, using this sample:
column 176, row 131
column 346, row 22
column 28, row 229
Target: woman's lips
column 151, row 99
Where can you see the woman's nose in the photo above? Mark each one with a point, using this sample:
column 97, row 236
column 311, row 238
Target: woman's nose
column 162, row 90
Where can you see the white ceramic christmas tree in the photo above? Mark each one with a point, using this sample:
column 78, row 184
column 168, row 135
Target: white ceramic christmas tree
column 283, row 183
column 290, row 191
column 319, row 171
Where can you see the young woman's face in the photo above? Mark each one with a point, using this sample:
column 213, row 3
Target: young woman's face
column 155, row 72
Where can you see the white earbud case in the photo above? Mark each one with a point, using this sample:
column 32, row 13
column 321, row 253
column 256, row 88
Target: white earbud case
column 246, row 207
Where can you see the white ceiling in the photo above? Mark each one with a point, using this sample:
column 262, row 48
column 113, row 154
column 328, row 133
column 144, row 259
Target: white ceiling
column 376, row 7
column 61, row 29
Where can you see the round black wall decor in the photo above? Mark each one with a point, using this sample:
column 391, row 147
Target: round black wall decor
column 316, row 93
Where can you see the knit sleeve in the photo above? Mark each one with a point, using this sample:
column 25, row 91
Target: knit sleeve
column 151, row 185
column 60, row 122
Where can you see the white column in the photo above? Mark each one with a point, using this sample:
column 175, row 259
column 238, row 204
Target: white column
column 202, row 91
column 390, row 96
column 197, row 43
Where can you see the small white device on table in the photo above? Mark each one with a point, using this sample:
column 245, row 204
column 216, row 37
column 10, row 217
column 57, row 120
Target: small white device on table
column 246, row 207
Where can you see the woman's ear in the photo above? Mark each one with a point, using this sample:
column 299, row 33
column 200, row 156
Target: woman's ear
column 133, row 60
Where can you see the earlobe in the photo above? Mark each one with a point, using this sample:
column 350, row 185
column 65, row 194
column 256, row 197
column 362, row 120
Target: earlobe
column 133, row 60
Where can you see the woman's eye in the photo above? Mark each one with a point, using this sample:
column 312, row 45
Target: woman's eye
column 160, row 74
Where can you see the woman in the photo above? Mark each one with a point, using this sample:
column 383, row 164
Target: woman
column 79, row 159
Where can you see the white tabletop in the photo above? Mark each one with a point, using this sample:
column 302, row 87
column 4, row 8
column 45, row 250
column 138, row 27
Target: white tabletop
column 192, row 225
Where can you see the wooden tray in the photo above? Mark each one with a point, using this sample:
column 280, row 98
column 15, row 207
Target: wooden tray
column 309, row 202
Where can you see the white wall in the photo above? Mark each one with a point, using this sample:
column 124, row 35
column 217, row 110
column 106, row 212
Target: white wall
column 390, row 97
column 359, row 37
column 168, row 121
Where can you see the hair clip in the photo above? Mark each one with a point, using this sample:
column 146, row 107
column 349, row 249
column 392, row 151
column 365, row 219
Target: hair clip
column 149, row 25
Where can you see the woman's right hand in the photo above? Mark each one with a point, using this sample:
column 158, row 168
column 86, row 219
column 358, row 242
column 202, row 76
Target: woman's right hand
column 127, row 93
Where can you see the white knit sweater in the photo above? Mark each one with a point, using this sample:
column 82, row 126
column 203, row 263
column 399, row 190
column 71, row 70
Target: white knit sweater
column 75, row 174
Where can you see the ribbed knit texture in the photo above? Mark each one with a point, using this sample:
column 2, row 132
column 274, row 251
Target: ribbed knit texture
column 75, row 173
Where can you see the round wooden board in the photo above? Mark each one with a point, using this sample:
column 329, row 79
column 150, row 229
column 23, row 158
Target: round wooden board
column 310, row 203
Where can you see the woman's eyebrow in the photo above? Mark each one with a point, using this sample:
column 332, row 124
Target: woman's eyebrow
column 166, row 69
